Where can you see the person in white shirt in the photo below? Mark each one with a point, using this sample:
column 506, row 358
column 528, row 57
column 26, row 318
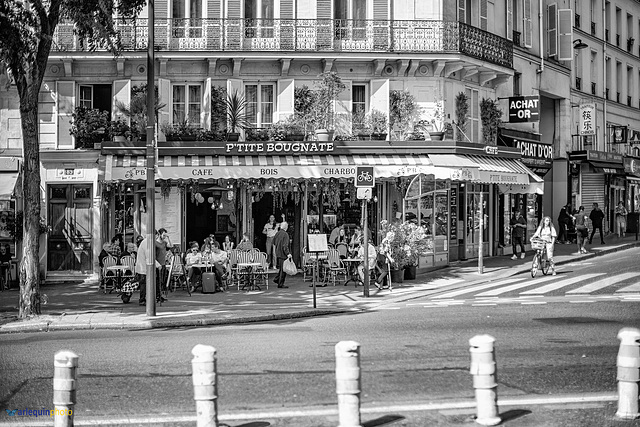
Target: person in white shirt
column 219, row 260
column 372, row 259
column 194, row 256
column 141, row 272
column 270, row 229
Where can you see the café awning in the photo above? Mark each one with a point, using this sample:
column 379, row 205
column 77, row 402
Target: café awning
column 7, row 184
column 133, row 168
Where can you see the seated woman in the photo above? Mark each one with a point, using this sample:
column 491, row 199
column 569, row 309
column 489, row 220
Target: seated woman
column 245, row 243
column 356, row 241
column 372, row 259
column 220, row 261
column 191, row 258
column 227, row 245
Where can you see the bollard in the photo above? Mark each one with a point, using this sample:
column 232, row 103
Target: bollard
column 65, row 366
column 483, row 369
column 628, row 373
column 348, row 383
column 205, row 391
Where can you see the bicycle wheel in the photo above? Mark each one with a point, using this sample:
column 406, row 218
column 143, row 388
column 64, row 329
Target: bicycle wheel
column 545, row 264
column 535, row 264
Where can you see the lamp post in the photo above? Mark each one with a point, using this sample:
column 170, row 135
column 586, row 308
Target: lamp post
column 151, row 178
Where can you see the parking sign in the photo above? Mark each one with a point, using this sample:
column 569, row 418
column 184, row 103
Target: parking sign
column 364, row 177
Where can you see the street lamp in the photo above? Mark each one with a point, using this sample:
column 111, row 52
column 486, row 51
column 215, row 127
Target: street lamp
column 578, row 44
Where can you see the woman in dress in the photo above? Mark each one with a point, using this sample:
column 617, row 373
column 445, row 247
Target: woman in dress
column 547, row 232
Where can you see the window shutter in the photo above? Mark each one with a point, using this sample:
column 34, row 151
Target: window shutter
column 324, row 9
column 66, row 101
column 164, row 97
column 483, row 15
column 160, row 9
column 121, row 95
column 552, row 29
column 526, row 21
column 213, row 9
column 233, row 9
column 286, row 98
column 565, row 35
column 509, row 23
column 380, row 9
column 462, row 13
column 286, row 9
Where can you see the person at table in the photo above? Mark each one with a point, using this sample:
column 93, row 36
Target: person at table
column 141, row 272
column 219, row 261
column 270, row 229
column 356, row 240
column 5, row 263
column 334, row 234
column 131, row 250
column 104, row 253
column 227, row 245
column 245, row 243
column 193, row 257
column 115, row 247
column 372, row 258
column 120, row 241
column 281, row 243
column 341, row 237
column 206, row 250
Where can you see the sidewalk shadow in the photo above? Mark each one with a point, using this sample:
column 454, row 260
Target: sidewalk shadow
column 513, row 414
column 384, row 420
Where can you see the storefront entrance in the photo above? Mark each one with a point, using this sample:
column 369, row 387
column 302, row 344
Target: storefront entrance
column 69, row 246
column 264, row 206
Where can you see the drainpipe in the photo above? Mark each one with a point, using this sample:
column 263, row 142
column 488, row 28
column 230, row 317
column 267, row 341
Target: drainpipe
column 541, row 37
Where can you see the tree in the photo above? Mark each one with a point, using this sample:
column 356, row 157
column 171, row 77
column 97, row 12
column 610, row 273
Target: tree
column 26, row 36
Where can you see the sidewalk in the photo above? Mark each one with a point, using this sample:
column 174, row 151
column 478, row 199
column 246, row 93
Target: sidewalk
column 76, row 306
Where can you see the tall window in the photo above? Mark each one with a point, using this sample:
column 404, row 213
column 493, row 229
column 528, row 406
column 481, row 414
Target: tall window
column 258, row 18
column 260, row 104
column 187, row 8
column 190, row 14
column 350, row 14
column 358, row 105
column 474, row 115
column 517, row 84
column 95, row 96
column 187, row 104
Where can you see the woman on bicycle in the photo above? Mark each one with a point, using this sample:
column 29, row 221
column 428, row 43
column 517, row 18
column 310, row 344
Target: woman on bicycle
column 547, row 232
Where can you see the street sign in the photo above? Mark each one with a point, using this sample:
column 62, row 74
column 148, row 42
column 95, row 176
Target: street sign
column 524, row 109
column 364, row 177
column 363, row 193
column 587, row 124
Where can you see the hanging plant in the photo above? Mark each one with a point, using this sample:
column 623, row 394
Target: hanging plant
column 314, row 193
column 490, row 116
column 181, row 186
column 165, row 188
column 259, row 189
column 331, row 193
column 195, row 189
column 402, row 183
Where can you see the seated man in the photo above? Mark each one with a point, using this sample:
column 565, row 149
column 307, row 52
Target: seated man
column 245, row 243
column 219, row 261
column 193, row 273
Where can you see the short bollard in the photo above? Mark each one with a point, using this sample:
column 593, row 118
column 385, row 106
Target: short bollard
column 65, row 366
column 348, row 383
column 628, row 373
column 205, row 391
column 483, row 369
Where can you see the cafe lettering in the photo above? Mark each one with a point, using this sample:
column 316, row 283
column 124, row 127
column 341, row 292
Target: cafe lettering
column 278, row 147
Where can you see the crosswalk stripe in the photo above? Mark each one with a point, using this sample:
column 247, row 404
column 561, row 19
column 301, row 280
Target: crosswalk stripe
column 476, row 288
column 561, row 284
column 603, row 283
column 632, row 288
column 506, row 289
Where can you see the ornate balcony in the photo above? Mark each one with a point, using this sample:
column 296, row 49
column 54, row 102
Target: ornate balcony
column 304, row 36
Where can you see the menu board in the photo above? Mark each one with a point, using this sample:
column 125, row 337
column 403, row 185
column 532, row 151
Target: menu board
column 453, row 216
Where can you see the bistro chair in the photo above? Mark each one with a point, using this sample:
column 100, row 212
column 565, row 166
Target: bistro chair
column 261, row 273
column 243, row 273
column 233, row 255
column 130, row 272
column 334, row 267
column 342, row 249
column 108, row 276
column 255, row 252
column 307, row 266
column 178, row 274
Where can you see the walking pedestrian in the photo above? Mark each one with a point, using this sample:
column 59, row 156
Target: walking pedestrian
column 563, row 221
column 547, row 232
column 282, row 252
column 581, row 229
column 621, row 219
column 596, row 216
column 270, row 229
column 518, row 226
column 141, row 271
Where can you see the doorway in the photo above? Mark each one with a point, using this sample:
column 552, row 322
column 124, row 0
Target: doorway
column 69, row 246
column 261, row 209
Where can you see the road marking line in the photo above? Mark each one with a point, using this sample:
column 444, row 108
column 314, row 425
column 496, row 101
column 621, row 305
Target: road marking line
column 633, row 288
column 605, row 282
column 476, row 288
column 561, row 284
column 506, row 289
column 533, row 303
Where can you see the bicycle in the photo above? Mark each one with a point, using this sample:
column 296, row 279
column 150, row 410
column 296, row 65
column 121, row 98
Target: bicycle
column 540, row 261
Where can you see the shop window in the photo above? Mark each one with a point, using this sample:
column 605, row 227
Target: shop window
column 260, row 104
column 95, row 96
column 187, row 104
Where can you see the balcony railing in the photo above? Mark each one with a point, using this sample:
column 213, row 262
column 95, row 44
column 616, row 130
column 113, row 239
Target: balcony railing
column 304, row 35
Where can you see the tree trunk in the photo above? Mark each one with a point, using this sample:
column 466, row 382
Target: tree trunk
column 29, row 266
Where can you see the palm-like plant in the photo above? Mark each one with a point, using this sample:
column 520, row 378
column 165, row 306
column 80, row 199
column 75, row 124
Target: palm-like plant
column 237, row 118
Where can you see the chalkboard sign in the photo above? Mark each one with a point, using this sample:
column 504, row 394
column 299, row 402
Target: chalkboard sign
column 223, row 223
column 453, row 216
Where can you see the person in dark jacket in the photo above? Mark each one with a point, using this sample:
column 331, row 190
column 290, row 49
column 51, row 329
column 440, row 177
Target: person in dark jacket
column 282, row 251
column 564, row 219
column 596, row 216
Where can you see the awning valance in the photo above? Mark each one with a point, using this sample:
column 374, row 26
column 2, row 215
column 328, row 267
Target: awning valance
column 7, row 184
column 604, row 167
column 133, row 168
column 495, row 170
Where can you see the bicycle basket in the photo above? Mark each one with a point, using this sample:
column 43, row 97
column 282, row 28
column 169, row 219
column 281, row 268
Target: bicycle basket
column 537, row 244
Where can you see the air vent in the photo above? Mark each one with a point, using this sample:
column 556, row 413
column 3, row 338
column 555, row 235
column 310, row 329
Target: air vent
column 388, row 70
column 142, row 69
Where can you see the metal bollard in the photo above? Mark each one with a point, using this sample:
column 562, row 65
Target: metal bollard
column 628, row 373
column 205, row 388
column 65, row 365
column 483, row 369
column 348, row 383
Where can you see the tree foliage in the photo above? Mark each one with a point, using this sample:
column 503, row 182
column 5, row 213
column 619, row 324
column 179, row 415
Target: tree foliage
column 27, row 31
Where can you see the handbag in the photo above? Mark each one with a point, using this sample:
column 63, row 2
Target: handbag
column 289, row 267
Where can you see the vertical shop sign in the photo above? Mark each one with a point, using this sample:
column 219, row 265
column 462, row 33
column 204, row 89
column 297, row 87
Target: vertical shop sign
column 453, row 216
column 587, row 124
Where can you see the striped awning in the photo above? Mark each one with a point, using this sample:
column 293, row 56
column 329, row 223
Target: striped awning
column 133, row 168
column 495, row 170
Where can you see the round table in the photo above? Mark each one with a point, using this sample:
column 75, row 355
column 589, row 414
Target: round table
column 118, row 269
column 352, row 269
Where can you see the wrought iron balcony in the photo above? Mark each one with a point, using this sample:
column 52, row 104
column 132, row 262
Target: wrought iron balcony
column 304, row 35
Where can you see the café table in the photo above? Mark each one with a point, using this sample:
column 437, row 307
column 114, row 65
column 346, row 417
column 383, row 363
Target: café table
column 246, row 270
column 118, row 270
column 352, row 270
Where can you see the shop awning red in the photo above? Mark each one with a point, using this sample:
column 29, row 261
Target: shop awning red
column 133, row 168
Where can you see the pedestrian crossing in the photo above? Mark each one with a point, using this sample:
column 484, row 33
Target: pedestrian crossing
column 624, row 285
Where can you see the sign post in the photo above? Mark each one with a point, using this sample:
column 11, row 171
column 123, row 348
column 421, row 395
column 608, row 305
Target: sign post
column 317, row 244
column 365, row 181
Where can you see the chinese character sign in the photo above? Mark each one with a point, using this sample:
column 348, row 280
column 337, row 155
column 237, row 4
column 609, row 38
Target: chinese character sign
column 587, row 124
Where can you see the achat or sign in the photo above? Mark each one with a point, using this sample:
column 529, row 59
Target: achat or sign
column 524, row 109
column 364, row 177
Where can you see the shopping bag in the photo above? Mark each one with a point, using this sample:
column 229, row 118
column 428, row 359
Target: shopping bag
column 289, row 267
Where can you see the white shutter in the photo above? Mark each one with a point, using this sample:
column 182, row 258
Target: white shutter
column 164, row 95
column 552, row 29
column 509, row 25
column 285, row 101
column 121, row 95
column 65, row 105
column 206, row 104
column 565, row 35
column 343, row 108
column 483, row 15
column 527, row 26
column 380, row 96
column 462, row 13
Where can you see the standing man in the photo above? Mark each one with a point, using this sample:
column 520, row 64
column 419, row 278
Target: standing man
column 563, row 222
column 281, row 246
column 596, row 216
column 518, row 226
column 141, row 271
column 270, row 229
column 162, row 244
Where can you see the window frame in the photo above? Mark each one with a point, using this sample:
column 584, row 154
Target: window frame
column 187, row 103
column 260, row 122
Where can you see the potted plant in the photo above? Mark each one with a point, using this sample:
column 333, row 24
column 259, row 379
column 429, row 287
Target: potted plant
column 462, row 116
column 89, row 126
column 119, row 131
column 136, row 111
column 376, row 125
column 237, row 119
column 182, row 131
column 403, row 113
column 303, row 105
column 290, row 129
column 490, row 116
column 437, row 121
column 403, row 243
column 329, row 85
